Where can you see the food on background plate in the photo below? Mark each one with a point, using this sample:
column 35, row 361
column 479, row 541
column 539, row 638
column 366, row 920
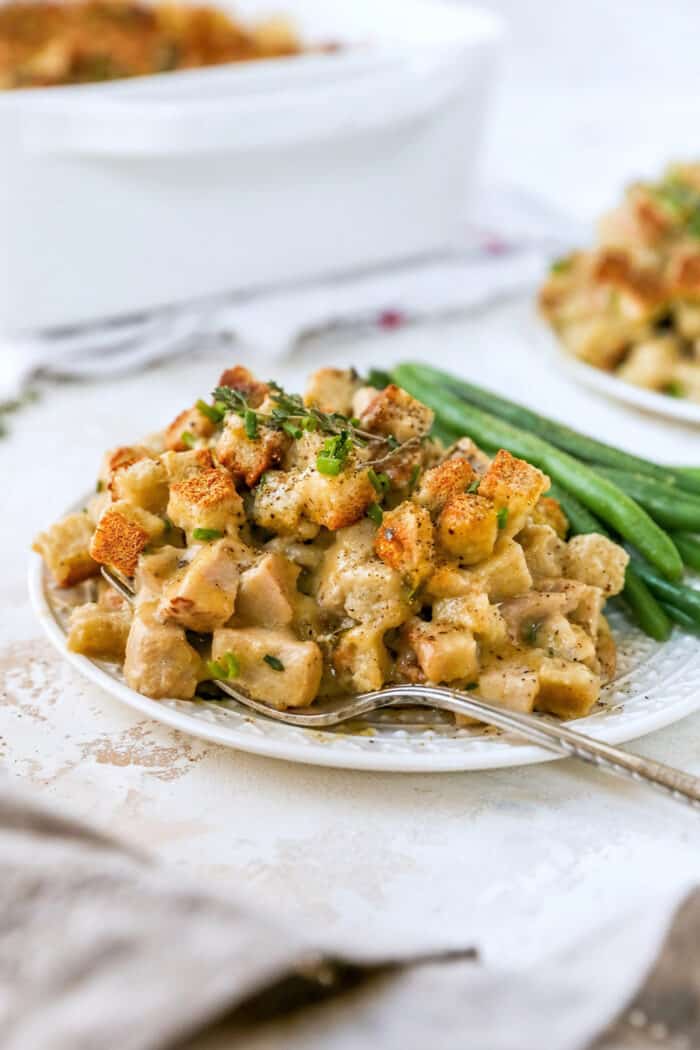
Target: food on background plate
column 47, row 43
column 303, row 548
column 631, row 304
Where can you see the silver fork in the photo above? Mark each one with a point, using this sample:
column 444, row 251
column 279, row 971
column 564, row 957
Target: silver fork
column 554, row 736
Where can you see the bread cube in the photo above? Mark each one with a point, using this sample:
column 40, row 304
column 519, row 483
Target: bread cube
column 332, row 390
column 65, row 548
column 566, row 689
column 651, row 363
column 512, row 684
column 159, row 661
column 180, row 466
column 545, row 552
column 207, row 500
column 394, row 412
column 444, row 653
column 279, row 503
column 353, row 581
column 122, row 533
column 249, row 458
column 451, row 478
column 504, row 574
column 99, row 633
column 119, row 458
column 201, row 597
column 361, row 659
column 597, row 561
column 191, row 421
column 404, row 541
column 267, row 592
column 295, row 684
column 143, row 484
column 242, row 380
column 515, row 487
column 337, row 501
column 468, row 527
column 547, row 511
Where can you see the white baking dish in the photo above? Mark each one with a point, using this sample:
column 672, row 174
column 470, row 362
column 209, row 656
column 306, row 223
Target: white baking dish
column 122, row 197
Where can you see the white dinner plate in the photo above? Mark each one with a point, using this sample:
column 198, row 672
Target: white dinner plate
column 606, row 383
column 656, row 685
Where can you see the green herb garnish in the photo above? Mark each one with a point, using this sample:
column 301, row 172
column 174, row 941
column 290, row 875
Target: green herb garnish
column 187, row 438
column 502, row 517
column 334, row 453
column 529, row 632
column 250, row 422
column 293, row 430
column 206, row 534
column 227, row 667
column 380, row 482
column 211, row 412
column 273, row 662
column 473, row 486
column 375, row 513
column 561, row 265
column 674, row 389
column 99, row 486
column 415, row 474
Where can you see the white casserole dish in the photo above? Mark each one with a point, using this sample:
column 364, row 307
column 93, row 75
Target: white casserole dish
column 123, row 197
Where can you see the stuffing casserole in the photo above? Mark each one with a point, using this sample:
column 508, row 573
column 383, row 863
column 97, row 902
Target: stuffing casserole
column 50, row 42
column 631, row 304
column 309, row 547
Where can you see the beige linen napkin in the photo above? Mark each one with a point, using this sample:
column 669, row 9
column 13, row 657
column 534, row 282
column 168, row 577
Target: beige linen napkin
column 102, row 948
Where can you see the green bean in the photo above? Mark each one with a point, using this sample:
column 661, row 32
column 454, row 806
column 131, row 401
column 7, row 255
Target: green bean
column 595, row 492
column 676, row 594
column 688, row 548
column 666, row 504
column 638, row 599
column 681, row 618
column 558, row 434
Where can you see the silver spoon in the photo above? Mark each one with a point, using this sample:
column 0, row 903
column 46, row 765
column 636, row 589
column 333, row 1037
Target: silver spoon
column 554, row 736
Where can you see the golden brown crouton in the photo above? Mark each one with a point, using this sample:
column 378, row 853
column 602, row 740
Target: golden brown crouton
column 159, row 660
column 352, row 580
column 338, row 501
column 99, row 633
column 143, row 484
column 121, row 457
column 450, row 478
column 279, row 502
column 467, row 527
column 394, row 412
column 202, row 595
column 444, row 653
column 249, row 458
column 332, row 390
column 361, row 660
column 291, row 675
column 515, row 487
column 566, row 689
column 65, row 548
column 240, row 379
column 122, row 534
column 404, row 541
column 207, row 500
column 547, row 511
column 190, row 422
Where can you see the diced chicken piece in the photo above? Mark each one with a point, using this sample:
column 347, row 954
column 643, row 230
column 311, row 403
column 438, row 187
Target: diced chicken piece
column 561, row 638
column 304, row 554
column 515, row 487
column 181, row 466
column 202, row 596
column 249, row 458
column 190, row 422
column 547, row 511
column 294, row 684
column 332, row 390
column 444, row 653
column 267, row 592
column 361, row 659
column 120, row 458
column 394, row 412
column 511, row 683
column 566, row 689
column 240, row 379
column 504, row 574
column 159, row 661
column 545, row 552
column 99, row 633
column 525, row 615
column 596, row 560
column 337, row 501
column 65, row 548
column 468, row 527
column 474, row 613
column 143, row 484
column 404, row 541
column 155, row 570
column 439, row 484
column 207, row 500
column 122, row 533
column 279, row 504
column 361, row 400
column 651, row 363
column 109, row 599
column 352, row 580
column 584, row 603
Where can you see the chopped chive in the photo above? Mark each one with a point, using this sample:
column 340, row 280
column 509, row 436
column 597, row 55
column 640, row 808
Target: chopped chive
column 380, row 482
column 530, row 632
column 293, row 430
column 227, row 667
column 502, row 517
column 472, row 685
column 99, row 486
column 273, row 662
column 334, row 452
column 392, row 442
column 309, row 423
column 206, row 534
column 415, row 473
column 473, row 486
column 375, row 513
column 250, row 422
column 328, row 465
column 355, row 422
column 674, row 389
column 693, row 224
column 187, row 438
column 561, row 265
column 211, row 412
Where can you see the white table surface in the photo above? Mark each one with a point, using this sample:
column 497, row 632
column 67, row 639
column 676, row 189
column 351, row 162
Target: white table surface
column 516, row 861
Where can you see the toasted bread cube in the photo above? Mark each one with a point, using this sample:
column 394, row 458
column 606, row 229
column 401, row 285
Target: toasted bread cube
column 143, row 484
column 547, row 511
column 512, row 684
column 65, row 548
column 361, row 659
column 545, row 552
column 332, row 390
column 119, row 458
column 337, row 501
column 652, row 363
column 352, row 580
column 242, row 380
column 192, row 422
column 249, row 458
column 295, row 685
column 444, row 653
column 451, row 478
column 202, row 596
column 394, row 412
column 159, row 660
column 567, row 689
column 404, row 541
column 181, row 466
column 597, row 561
column 99, row 633
column 122, row 533
column 468, row 527
column 207, row 500
column 504, row 574
column 267, row 594
column 515, row 487
column 279, row 503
